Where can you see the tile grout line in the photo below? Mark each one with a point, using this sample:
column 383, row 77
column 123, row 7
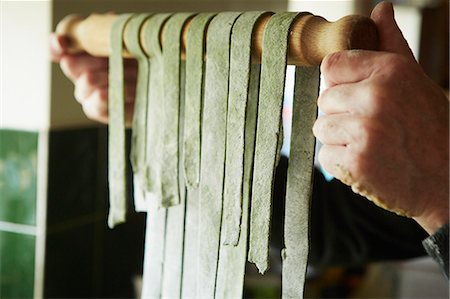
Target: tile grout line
column 18, row 228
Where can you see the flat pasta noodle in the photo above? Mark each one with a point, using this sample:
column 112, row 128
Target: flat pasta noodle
column 155, row 106
column 173, row 110
column 213, row 148
column 273, row 73
column 240, row 61
column 170, row 174
column 299, row 182
column 139, row 126
column 116, row 129
column 157, row 217
column 244, row 86
column 191, row 149
column 195, row 51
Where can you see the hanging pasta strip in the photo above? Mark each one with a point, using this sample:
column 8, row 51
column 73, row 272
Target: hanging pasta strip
column 191, row 148
column 170, row 175
column 213, row 147
column 241, row 125
column 173, row 110
column 155, row 105
column 299, row 181
column 195, row 49
column 157, row 216
column 116, row 129
column 139, row 129
column 268, row 134
column 240, row 61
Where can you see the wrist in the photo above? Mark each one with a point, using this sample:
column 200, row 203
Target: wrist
column 433, row 221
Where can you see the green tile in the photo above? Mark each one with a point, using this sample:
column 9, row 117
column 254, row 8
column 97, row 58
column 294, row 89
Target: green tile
column 16, row 265
column 18, row 166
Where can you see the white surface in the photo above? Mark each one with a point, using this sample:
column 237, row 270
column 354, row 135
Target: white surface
column 330, row 10
column 25, row 64
column 409, row 20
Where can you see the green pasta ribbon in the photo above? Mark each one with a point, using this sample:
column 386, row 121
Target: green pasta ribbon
column 116, row 129
column 155, row 105
column 240, row 61
column 213, row 147
column 170, row 175
column 157, row 216
column 242, row 113
column 191, row 147
column 139, row 134
column 194, row 97
column 173, row 114
column 273, row 73
column 299, row 181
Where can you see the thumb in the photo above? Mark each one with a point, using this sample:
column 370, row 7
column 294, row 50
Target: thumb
column 391, row 38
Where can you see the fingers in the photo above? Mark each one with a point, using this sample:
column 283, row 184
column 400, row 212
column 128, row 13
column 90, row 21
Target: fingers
column 390, row 37
column 95, row 107
column 88, row 82
column 331, row 158
column 58, row 46
column 358, row 65
column 74, row 65
column 338, row 129
column 366, row 99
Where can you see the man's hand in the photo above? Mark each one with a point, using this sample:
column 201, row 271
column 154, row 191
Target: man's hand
column 90, row 77
column 386, row 128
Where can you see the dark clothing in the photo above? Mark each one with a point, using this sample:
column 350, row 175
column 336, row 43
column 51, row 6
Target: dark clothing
column 347, row 229
column 437, row 247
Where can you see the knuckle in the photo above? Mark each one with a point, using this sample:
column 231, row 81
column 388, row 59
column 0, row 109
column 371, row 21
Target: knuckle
column 68, row 62
column 78, row 95
column 321, row 127
column 329, row 62
column 102, row 94
column 323, row 99
column 94, row 112
column 395, row 64
column 317, row 127
column 376, row 100
column 358, row 163
column 88, row 78
column 364, row 136
column 68, row 66
column 323, row 157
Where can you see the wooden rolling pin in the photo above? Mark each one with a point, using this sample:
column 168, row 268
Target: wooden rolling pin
column 311, row 38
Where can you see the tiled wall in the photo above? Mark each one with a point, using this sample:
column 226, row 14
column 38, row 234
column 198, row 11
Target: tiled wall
column 18, row 168
column 83, row 258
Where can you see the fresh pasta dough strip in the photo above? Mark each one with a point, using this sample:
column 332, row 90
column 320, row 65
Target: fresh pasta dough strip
column 116, row 129
column 170, row 174
column 213, row 148
column 195, row 52
column 240, row 61
column 139, row 127
column 299, row 181
column 155, row 105
column 173, row 114
column 232, row 259
column 191, row 149
column 157, row 216
column 273, row 72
